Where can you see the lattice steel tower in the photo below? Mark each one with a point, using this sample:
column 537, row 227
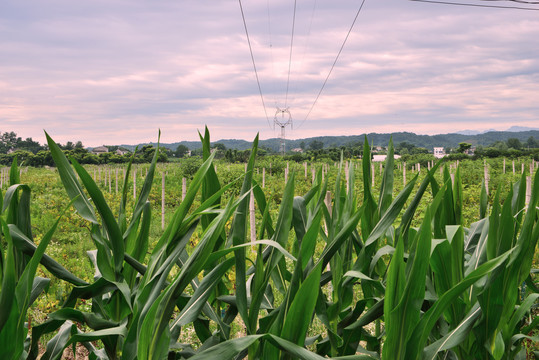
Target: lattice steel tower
column 284, row 119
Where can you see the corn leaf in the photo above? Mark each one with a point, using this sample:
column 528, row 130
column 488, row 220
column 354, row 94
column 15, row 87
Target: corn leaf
column 301, row 310
column 71, row 184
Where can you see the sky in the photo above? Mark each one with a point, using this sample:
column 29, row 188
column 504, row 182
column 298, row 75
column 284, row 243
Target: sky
column 117, row 71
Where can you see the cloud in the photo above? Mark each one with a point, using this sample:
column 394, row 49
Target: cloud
column 115, row 71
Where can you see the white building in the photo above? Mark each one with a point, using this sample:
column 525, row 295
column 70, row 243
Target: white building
column 122, row 151
column 439, row 152
column 380, row 158
column 100, row 150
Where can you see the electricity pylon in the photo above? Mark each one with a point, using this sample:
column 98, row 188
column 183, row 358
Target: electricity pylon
column 282, row 121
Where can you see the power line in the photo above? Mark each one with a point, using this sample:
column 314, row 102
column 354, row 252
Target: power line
column 306, row 42
column 334, row 62
column 254, row 65
column 290, row 57
column 519, row 1
column 483, row 5
column 271, row 52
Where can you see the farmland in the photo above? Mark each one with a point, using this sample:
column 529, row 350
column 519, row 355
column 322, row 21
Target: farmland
column 331, row 259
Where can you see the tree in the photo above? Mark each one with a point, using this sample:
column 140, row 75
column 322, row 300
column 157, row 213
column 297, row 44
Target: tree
column 8, row 141
column 531, row 143
column 29, row 145
column 463, row 147
column 501, row 146
column 404, row 147
column 514, row 143
column 181, row 151
column 316, row 145
column 147, row 151
column 219, row 146
column 420, row 150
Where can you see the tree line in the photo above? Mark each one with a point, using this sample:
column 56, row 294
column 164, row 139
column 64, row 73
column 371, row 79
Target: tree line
column 32, row 153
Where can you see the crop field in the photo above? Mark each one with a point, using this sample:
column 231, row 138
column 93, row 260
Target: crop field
column 203, row 259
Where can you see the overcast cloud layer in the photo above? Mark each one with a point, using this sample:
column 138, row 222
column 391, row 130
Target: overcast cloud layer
column 115, row 71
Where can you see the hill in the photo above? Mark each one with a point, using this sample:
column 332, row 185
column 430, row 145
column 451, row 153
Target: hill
column 426, row 141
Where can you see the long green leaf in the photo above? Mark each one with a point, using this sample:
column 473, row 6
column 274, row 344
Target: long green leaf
column 455, row 337
column 391, row 214
column 421, row 332
column 9, row 278
column 228, row 349
column 190, row 312
column 301, row 310
column 71, row 184
column 386, row 188
column 24, row 244
column 113, row 233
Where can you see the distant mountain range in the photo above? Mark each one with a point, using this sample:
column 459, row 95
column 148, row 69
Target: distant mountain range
column 511, row 129
column 426, row 141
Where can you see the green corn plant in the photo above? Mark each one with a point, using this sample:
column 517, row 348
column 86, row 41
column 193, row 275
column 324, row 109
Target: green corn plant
column 448, row 291
column 469, row 307
column 132, row 303
column 119, row 296
column 19, row 259
column 116, row 243
column 376, row 221
column 486, row 319
column 288, row 322
column 496, row 330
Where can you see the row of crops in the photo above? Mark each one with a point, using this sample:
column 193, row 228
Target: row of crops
column 396, row 272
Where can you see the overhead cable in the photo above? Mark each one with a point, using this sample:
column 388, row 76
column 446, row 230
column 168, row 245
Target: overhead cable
column 254, row 65
column 483, row 5
column 271, row 52
column 290, row 57
column 334, row 62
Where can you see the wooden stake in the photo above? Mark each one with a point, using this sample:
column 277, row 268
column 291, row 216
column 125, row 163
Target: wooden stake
column 404, row 174
column 287, row 167
column 486, row 177
column 184, row 188
column 528, row 189
column 163, row 201
column 346, row 174
column 134, row 184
